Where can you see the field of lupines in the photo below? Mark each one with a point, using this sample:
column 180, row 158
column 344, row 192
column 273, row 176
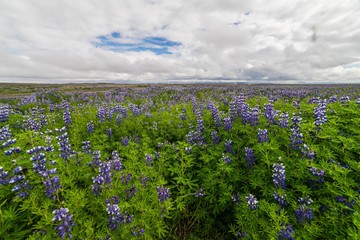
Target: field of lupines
column 182, row 162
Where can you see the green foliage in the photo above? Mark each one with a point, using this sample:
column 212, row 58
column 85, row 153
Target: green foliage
column 185, row 168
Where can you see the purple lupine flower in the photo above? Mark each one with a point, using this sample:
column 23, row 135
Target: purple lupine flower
column 280, row 199
column 8, row 142
column 12, row 150
column 52, row 185
column 16, row 188
column 5, row 133
column 49, row 148
column 215, row 137
column 135, row 109
column 97, row 185
column 303, row 212
column 296, row 120
column 270, row 113
column 127, row 179
column 64, row 146
column 228, row 146
column 5, row 112
column 4, row 176
column 195, row 137
column 340, row 199
column 8, row 152
column 286, row 233
column 242, row 109
column 262, row 135
column 306, row 201
column 314, row 100
column 17, row 178
column 139, row 233
column 51, row 107
column 148, row 159
column 124, row 111
column 90, row 127
column 110, row 113
column 344, row 99
column 101, row 113
column 215, row 115
column 279, row 175
column 163, row 193
column 358, row 101
column 320, row 113
column 48, row 139
column 226, row 159
column 241, row 234
column 254, row 117
column 127, row 218
column 236, row 198
column 119, row 118
column 227, row 123
column 306, row 151
column 233, row 110
column 52, row 171
column 131, row 192
column 43, row 120
column 103, row 178
column 318, row 173
column 86, row 148
column 115, row 216
column 333, row 99
column 109, row 132
column 296, row 138
column 296, row 103
column 200, row 193
column 38, row 159
column 22, row 189
column 96, row 159
column 200, row 122
column 144, row 180
column 17, row 169
column 63, row 229
column 64, row 104
column 347, row 203
column 188, row 150
column 137, row 140
column 284, row 120
column 183, row 115
column 350, row 204
column 252, row 201
column 125, row 141
column 67, row 117
column 116, row 162
column 104, row 170
column 31, row 124
column 249, row 157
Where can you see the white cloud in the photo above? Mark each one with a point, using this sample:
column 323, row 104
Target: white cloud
column 314, row 41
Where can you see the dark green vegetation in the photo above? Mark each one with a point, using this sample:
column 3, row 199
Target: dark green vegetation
column 201, row 143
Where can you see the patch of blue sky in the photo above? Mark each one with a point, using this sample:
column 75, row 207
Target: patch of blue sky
column 115, row 35
column 352, row 65
column 115, row 42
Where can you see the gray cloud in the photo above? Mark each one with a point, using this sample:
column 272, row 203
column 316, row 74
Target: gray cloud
column 301, row 40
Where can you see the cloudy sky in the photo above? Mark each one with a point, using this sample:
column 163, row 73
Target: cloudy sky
column 166, row 40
